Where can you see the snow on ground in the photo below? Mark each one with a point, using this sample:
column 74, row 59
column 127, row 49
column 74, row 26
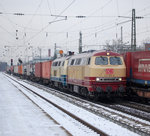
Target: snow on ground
column 74, row 127
column 108, row 127
column 20, row 117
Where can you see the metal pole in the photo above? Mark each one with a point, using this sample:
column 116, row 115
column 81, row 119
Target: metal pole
column 80, row 43
column 121, row 35
column 55, row 55
column 133, row 31
column 40, row 54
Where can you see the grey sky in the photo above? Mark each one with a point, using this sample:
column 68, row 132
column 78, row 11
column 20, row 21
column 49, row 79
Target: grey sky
column 35, row 30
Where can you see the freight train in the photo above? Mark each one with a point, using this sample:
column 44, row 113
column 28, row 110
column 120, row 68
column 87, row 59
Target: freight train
column 91, row 74
column 138, row 73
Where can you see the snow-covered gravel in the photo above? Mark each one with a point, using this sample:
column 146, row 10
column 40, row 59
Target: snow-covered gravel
column 99, row 122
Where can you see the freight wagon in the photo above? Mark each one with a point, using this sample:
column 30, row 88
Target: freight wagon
column 16, row 70
column 46, row 71
column 38, row 71
column 10, row 69
column 138, row 72
column 20, row 70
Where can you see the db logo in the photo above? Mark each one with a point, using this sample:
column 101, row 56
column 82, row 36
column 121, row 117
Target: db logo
column 109, row 71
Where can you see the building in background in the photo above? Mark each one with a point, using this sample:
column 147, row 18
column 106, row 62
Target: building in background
column 3, row 66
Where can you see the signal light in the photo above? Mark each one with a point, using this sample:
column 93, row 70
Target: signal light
column 11, row 62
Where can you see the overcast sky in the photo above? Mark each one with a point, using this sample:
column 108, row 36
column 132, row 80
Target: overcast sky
column 38, row 28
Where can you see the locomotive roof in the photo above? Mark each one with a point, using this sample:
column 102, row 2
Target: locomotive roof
column 95, row 53
column 88, row 54
column 62, row 58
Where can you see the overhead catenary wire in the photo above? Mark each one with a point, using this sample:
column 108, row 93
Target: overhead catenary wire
column 9, row 20
column 93, row 29
column 106, row 29
column 87, row 16
column 49, row 7
column 35, row 12
column 51, row 21
column 109, row 23
column 7, row 31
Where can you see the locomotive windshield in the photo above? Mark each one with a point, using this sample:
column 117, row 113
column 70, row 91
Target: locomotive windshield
column 101, row 61
column 104, row 60
column 115, row 61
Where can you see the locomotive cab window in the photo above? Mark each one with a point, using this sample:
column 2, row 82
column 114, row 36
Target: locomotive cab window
column 101, row 60
column 78, row 62
column 88, row 61
column 72, row 62
column 63, row 63
column 115, row 61
column 56, row 63
column 59, row 63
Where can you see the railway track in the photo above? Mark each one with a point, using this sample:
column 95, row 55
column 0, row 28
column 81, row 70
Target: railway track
column 105, row 110
column 138, row 106
column 140, row 110
column 132, row 109
column 130, row 123
column 87, row 124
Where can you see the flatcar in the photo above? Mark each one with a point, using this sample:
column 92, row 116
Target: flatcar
column 138, row 73
column 97, row 74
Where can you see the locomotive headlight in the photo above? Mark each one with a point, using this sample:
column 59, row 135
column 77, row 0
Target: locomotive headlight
column 120, row 79
column 107, row 53
column 97, row 79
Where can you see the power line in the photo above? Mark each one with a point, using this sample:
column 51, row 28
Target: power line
column 54, row 20
column 67, row 7
column 34, row 13
column 49, row 6
column 10, row 21
column 7, row 31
